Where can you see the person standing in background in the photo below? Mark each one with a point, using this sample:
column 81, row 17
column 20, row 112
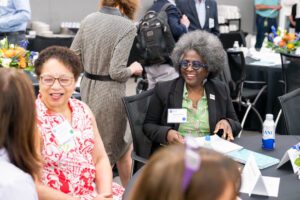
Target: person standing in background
column 103, row 43
column 295, row 11
column 266, row 17
column 14, row 16
column 179, row 25
column 203, row 14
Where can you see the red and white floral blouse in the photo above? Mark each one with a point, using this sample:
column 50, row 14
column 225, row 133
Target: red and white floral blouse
column 68, row 165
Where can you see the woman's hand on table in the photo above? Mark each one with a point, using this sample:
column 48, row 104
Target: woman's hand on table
column 174, row 137
column 227, row 131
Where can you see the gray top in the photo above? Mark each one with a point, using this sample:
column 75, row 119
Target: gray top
column 103, row 42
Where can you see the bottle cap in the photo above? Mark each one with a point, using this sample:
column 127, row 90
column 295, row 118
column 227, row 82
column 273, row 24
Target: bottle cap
column 269, row 116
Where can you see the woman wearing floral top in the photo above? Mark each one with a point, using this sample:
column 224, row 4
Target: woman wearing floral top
column 75, row 165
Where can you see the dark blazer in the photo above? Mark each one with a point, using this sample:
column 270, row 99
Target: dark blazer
column 174, row 16
column 169, row 95
column 188, row 8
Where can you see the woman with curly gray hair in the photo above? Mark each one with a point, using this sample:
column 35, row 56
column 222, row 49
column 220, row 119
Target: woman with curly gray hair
column 195, row 103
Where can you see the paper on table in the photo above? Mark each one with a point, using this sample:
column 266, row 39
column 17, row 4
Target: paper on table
column 263, row 63
column 219, row 144
column 263, row 161
column 254, row 183
column 272, row 188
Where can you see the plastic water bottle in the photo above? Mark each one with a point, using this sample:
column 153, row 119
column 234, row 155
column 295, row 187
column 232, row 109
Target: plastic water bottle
column 207, row 142
column 236, row 45
column 268, row 134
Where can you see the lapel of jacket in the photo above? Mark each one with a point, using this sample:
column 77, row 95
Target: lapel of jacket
column 207, row 12
column 192, row 6
column 175, row 96
column 211, row 101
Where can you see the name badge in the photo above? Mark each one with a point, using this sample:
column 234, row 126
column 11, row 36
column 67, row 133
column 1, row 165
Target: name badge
column 212, row 96
column 211, row 23
column 63, row 132
column 177, row 116
column 3, row 3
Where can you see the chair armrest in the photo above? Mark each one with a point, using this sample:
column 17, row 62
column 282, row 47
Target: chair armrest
column 138, row 158
column 256, row 82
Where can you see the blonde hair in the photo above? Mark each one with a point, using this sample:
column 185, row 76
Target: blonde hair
column 127, row 7
column 162, row 176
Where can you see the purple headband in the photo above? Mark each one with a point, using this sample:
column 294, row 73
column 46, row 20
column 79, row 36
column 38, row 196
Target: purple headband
column 192, row 161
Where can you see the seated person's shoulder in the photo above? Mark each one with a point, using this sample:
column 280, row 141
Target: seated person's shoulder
column 15, row 184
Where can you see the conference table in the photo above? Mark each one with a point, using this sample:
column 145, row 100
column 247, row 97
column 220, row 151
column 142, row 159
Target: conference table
column 289, row 187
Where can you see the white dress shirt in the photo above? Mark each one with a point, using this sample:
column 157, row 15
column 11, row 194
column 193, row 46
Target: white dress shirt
column 14, row 183
column 201, row 11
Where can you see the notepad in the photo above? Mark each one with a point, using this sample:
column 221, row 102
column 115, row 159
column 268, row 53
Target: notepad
column 263, row 161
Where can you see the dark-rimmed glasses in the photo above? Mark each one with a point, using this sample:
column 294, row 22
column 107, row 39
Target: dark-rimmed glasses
column 195, row 64
column 64, row 80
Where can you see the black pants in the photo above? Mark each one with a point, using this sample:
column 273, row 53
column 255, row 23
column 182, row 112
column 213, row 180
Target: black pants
column 263, row 25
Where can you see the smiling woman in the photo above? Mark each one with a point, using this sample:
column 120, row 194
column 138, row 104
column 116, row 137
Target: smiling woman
column 198, row 57
column 72, row 150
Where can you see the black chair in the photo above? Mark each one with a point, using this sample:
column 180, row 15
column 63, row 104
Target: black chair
column 290, row 71
column 244, row 93
column 291, row 108
column 42, row 42
column 228, row 39
column 136, row 108
column 290, row 65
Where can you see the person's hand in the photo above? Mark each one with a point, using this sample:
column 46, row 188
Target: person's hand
column 136, row 68
column 174, row 137
column 227, row 131
column 278, row 7
column 185, row 21
column 104, row 196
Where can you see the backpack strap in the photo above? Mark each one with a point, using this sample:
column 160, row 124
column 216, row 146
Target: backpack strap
column 166, row 6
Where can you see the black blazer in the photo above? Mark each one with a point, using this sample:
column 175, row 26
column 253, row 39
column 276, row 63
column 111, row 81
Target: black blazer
column 188, row 8
column 174, row 16
column 169, row 95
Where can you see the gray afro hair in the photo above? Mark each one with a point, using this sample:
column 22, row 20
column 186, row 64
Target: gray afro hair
column 207, row 45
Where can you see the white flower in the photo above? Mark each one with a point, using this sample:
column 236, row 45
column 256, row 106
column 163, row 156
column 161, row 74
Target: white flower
column 5, row 62
column 277, row 39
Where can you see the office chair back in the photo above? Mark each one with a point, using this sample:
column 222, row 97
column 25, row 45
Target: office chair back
column 290, row 71
column 42, row 42
column 228, row 39
column 237, row 68
column 291, row 108
column 136, row 108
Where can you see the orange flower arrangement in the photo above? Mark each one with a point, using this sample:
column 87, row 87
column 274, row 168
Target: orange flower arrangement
column 16, row 55
column 282, row 41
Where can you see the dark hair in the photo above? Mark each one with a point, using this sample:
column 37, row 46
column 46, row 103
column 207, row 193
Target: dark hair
column 127, row 7
column 207, row 45
column 18, row 133
column 63, row 55
column 162, row 176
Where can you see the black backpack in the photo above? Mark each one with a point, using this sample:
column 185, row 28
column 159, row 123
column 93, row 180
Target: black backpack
column 155, row 41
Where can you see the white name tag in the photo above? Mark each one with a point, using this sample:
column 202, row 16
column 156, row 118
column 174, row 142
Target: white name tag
column 63, row 132
column 3, row 3
column 177, row 116
column 212, row 96
column 211, row 23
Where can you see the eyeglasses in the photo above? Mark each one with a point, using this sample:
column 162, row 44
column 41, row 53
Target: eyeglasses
column 192, row 161
column 64, row 80
column 196, row 65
